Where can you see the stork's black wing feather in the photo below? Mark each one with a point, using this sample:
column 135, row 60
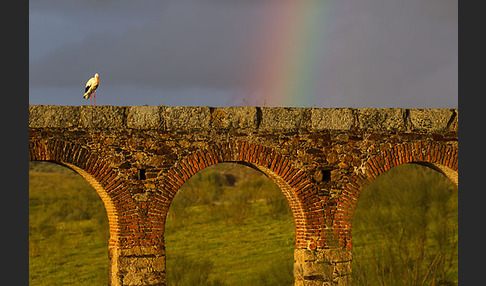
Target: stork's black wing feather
column 87, row 88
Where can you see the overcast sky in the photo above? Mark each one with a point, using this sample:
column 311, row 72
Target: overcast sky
column 346, row 53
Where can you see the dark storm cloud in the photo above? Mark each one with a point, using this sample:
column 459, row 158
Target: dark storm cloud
column 379, row 49
column 182, row 45
column 406, row 58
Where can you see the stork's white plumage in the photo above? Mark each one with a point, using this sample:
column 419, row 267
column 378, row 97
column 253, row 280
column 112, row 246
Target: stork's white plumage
column 91, row 87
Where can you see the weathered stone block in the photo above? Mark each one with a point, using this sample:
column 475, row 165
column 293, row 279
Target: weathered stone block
column 332, row 119
column 299, row 282
column 285, row 118
column 158, row 263
column 142, row 270
column 342, row 269
column 314, row 269
column 141, row 197
column 454, row 126
column 312, row 283
column 383, row 119
column 430, row 120
column 144, row 117
column 186, row 118
column 316, row 283
column 102, row 117
column 334, row 255
column 298, row 271
column 140, row 250
column 304, row 255
column 234, row 117
column 53, row 116
column 343, row 280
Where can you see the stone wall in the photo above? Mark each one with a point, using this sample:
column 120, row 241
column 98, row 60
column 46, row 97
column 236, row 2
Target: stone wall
column 321, row 158
column 236, row 118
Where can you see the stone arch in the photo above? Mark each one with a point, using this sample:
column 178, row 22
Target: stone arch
column 99, row 175
column 438, row 156
column 299, row 191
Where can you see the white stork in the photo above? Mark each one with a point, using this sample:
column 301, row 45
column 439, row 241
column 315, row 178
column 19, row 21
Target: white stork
column 91, row 87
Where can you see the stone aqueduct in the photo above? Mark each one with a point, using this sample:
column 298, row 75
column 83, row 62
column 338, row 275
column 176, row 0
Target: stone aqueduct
column 137, row 158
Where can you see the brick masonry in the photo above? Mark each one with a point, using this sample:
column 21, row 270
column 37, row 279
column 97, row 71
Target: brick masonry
column 138, row 157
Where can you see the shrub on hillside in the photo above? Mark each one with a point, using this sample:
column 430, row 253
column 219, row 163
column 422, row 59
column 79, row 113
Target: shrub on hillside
column 405, row 229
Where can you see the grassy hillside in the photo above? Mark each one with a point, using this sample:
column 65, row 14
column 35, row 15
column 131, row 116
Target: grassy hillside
column 68, row 229
column 230, row 225
column 405, row 229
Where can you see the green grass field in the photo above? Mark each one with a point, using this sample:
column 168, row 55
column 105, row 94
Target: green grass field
column 405, row 229
column 238, row 233
column 230, row 225
column 68, row 230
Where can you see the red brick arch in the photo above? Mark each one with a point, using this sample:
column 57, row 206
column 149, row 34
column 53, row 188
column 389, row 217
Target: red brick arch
column 299, row 191
column 441, row 157
column 94, row 169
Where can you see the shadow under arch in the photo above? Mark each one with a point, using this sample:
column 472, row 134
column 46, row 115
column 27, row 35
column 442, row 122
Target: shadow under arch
column 96, row 172
column 437, row 156
column 298, row 190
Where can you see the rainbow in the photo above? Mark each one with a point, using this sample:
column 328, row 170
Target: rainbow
column 289, row 55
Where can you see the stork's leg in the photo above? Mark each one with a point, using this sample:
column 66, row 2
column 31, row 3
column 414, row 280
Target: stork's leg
column 94, row 97
column 90, row 103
